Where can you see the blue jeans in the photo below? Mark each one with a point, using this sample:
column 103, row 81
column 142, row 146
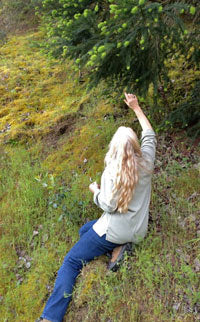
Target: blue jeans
column 89, row 246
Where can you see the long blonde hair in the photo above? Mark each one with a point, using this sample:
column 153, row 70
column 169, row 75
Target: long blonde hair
column 124, row 157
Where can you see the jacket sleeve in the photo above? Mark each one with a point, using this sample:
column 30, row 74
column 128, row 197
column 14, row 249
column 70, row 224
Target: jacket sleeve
column 148, row 145
column 102, row 197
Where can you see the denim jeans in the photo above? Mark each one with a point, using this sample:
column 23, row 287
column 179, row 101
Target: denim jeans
column 89, row 246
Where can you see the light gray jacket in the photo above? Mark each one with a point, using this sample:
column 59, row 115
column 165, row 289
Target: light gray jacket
column 131, row 226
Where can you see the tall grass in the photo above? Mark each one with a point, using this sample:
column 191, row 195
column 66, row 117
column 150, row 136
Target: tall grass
column 23, row 203
column 40, row 219
column 159, row 282
column 33, row 237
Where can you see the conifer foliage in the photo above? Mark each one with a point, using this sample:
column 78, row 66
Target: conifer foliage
column 125, row 41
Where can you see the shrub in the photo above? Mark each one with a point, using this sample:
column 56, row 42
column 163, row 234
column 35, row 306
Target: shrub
column 125, row 41
column 187, row 113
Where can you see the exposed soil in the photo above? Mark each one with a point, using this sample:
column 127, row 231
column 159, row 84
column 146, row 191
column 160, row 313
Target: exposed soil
column 63, row 127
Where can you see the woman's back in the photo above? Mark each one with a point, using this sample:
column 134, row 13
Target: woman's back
column 132, row 225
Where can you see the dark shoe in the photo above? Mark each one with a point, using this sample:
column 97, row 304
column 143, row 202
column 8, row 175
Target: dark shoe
column 118, row 256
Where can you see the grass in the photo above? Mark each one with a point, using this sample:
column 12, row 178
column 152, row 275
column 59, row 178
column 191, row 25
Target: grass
column 54, row 135
column 160, row 281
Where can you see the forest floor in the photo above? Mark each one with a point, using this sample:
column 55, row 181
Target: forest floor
column 53, row 138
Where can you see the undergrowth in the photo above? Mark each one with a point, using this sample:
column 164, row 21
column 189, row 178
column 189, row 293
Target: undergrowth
column 54, row 136
column 159, row 282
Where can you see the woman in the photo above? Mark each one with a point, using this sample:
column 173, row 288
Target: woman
column 124, row 197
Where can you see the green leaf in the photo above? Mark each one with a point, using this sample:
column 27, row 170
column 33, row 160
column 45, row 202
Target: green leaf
column 141, row 2
column 134, row 10
column 192, row 10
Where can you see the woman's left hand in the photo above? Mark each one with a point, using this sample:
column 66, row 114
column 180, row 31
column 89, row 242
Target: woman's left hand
column 93, row 187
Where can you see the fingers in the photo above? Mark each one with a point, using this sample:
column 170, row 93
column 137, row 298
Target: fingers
column 94, row 184
column 129, row 96
column 126, row 95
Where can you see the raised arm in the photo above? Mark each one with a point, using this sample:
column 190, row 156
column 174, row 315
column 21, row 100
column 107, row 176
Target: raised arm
column 132, row 101
column 148, row 143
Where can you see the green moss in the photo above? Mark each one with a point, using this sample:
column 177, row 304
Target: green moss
column 34, row 89
column 65, row 132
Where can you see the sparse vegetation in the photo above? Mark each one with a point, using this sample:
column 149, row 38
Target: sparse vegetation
column 17, row 16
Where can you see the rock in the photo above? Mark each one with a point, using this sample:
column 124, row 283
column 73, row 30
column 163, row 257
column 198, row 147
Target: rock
column 28, row 265
column 35, row 233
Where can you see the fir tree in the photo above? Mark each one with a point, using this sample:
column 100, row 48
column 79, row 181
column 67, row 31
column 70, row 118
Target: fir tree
column 125, row 41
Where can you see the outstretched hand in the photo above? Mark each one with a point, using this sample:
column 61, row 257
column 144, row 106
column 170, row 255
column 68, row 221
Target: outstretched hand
column 132, row 101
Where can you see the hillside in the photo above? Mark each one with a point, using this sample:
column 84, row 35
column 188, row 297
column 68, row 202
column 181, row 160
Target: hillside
column 53, row 138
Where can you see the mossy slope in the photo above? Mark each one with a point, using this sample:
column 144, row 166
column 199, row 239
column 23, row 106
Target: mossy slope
column 54, row 135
